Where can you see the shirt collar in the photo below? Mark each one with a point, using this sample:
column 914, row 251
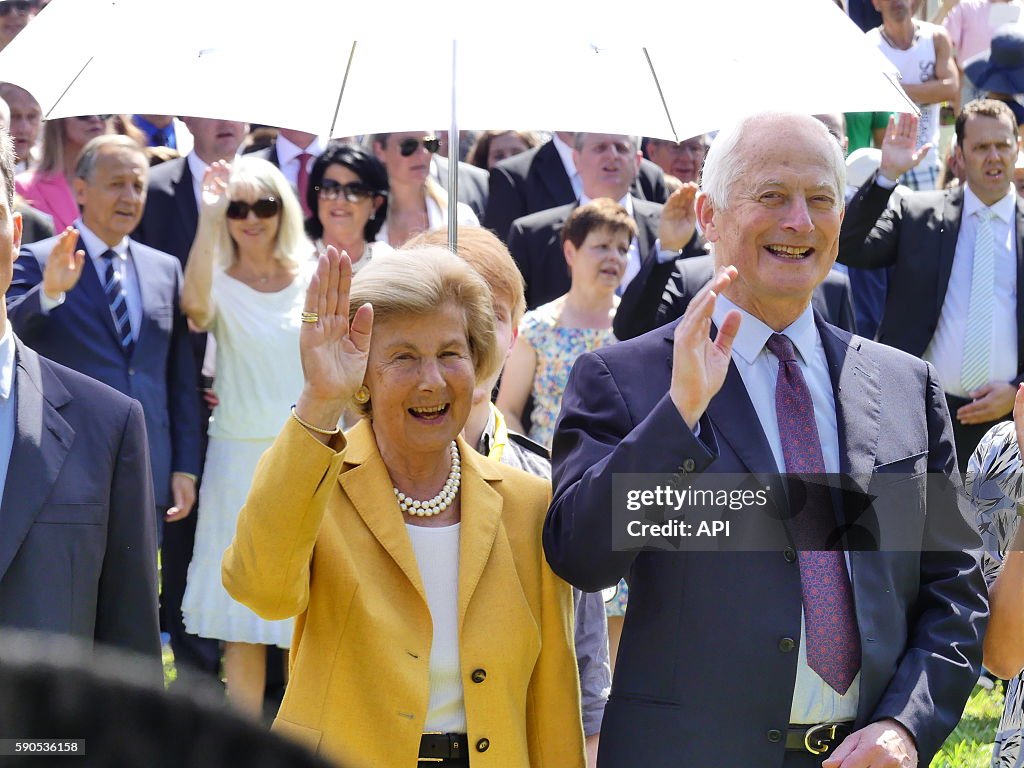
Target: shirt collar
column 626, row 202
column 487, row 436
column 95, row 247
column 565, row 152
column 753, row 333
column 287, row 150
column 6, row 362
column 1004, row 208
column 197, row 165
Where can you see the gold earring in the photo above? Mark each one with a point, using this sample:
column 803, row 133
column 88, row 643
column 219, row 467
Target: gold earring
column 362, row 395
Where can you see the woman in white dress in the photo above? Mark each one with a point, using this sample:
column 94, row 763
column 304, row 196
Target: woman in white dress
column 245, row 281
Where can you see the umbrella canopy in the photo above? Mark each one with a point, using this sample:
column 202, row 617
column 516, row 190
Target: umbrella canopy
column 662, row 70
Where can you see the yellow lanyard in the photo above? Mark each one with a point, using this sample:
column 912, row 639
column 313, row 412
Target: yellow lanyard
column 500, row 439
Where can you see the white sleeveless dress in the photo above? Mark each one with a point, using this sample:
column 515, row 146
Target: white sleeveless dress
column 259, row 376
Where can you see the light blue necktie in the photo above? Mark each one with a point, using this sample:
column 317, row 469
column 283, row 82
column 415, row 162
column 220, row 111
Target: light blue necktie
column 975, row 369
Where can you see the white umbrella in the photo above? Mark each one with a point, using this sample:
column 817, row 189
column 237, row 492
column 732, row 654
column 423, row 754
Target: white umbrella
column 645, row 68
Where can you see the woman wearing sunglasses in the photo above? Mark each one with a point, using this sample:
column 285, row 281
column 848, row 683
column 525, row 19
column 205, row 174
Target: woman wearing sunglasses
column 245, row 281
column 416, row 202
column 347, row 194
column 48, row 187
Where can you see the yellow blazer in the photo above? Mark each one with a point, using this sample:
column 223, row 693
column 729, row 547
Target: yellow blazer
column 321, row 537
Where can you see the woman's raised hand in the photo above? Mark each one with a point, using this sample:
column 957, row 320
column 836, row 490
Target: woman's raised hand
column 334, row 352
column 215, row 186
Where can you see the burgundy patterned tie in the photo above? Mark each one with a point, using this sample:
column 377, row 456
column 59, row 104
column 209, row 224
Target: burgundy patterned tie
column 833, row 641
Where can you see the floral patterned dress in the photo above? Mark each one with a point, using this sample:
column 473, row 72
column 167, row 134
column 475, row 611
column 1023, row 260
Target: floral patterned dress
column 995, row 485
column 557, row 349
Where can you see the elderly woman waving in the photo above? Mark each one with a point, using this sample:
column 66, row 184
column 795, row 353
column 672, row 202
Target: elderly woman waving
column 429, row 624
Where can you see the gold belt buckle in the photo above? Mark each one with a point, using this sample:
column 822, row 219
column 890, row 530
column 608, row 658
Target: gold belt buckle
column 814, row 742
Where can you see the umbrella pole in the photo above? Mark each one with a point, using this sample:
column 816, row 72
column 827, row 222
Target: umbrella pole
column 453, row 165
column 341, row 91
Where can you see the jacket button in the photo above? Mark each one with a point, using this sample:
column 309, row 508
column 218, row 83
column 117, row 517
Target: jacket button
column 688, row 466
column 131, row 371
column 479, row 675
column 774, row 735
column 786, row 644
column 789, row 554
column 483, row 745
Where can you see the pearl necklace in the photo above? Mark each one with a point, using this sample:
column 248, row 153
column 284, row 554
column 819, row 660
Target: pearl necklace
column 443, row 500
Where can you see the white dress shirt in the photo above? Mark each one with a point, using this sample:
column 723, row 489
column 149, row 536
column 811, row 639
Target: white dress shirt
column 8, row 403
column 198, row 167
column 814, row 701
column 946, row 349
column 565, row 154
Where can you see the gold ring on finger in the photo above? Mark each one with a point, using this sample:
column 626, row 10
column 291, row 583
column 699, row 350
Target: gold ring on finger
column 310, row 317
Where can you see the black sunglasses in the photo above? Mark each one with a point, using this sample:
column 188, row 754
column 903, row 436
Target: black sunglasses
column 353, row 192
column 264, row 209
column 21, row 6
column 87, row 118
column 410, row 145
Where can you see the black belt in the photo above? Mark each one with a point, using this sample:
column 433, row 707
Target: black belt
column 435, row 747
column 817, row 739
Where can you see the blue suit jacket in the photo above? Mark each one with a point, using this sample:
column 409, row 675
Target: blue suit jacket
column 701, row 678
column 78, row 550
column 80, row 334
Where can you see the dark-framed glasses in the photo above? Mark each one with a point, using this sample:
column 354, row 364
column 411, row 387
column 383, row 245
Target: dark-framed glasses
column 266, row 208
column 410, row 145
column 353, row 192
column 21, row 6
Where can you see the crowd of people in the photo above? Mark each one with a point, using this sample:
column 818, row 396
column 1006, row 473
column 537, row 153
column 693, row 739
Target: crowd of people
column 381, row 480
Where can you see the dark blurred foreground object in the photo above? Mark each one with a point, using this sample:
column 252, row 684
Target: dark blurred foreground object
column 54, row 688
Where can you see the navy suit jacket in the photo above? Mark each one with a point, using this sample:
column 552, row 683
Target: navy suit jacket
column 700, row 649
column 78, row 550
column 535, row 242
column 171, row 216
column 80, row 334
column 535, row 180
column 473, row 183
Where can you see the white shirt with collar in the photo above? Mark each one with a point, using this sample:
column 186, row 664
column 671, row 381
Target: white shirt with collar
column 565, row 154
column 8, row 403
column 91, row 243
column 198, row 167
column 288, row 157
column 814, row 701
column 946, row 349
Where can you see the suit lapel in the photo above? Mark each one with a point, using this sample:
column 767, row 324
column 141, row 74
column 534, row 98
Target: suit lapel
column 553, row 176
column 947, row 244
column 185, row 201
column 41, row 442
column 647, row 229
column 138, row 260
column 481, row 518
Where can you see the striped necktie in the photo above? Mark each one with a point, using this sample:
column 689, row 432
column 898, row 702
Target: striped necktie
column 113, row 287
column 975, row 370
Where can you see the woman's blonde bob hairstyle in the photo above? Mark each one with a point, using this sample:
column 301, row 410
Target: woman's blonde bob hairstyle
column 423, row 280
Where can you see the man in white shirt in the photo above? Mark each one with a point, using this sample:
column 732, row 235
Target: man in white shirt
column 294, row 152
column 955, row 280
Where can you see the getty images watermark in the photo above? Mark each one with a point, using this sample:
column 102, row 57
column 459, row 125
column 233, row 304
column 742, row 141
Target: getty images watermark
column 910, row 511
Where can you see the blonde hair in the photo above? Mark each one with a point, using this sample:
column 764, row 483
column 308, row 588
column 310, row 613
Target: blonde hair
column 253, row 174
column 422, row 280
column 485, row 253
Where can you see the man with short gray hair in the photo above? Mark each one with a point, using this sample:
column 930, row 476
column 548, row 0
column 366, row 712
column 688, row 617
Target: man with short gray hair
column 774, row 647
column 110, row 310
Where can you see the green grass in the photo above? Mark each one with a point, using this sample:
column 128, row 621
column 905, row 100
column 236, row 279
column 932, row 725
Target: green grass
column 970, row 744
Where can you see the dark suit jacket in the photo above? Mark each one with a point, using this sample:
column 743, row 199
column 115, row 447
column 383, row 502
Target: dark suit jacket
column 78, row 550
column 917, row 238
column 704, row 626
column 80, row 334
column 535, row 180
column 171, row 216
column 832, row 298
column 535, row 242
column 473, row 183
column 36, row 225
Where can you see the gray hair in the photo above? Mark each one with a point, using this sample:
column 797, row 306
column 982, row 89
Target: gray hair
column 724, row 163
column 85, row 166
column 7, row 163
